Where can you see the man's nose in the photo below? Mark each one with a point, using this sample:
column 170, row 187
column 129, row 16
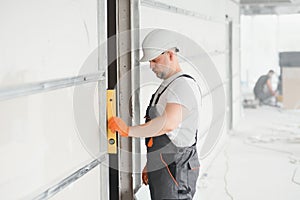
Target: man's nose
column 152, row 64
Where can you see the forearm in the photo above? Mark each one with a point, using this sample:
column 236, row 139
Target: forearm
column 170, row 120
column 155, row 127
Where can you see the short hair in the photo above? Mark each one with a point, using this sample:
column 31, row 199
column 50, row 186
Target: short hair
column 271, row 71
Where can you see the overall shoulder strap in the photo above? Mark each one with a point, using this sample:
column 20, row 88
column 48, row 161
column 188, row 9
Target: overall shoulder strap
column 183, row 75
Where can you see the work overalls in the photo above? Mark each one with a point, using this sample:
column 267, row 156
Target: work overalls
column 172, row 170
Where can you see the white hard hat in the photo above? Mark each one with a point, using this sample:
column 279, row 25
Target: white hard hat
column 157, row 42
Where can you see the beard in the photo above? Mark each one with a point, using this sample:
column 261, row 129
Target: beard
column 161, row 75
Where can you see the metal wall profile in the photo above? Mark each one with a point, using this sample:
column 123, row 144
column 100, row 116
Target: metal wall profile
column 51, row 191
column 136, row 72
column 33, row 88
column 177, row 10
column 102, row 64
column 124, row 92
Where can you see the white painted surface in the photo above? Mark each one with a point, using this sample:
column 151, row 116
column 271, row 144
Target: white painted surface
column 259, row 44
column 39, row 142
column 262, row 38
column 85, row 188
column 43, row 40
column 210, row 33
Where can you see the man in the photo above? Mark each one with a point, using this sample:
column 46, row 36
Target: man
column 171, row 124
column 263, row 88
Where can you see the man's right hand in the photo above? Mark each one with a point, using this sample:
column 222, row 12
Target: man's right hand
column 117, row 124
column 145, row 176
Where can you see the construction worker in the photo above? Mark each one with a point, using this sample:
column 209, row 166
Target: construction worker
column 171, row 124
column 263, row 89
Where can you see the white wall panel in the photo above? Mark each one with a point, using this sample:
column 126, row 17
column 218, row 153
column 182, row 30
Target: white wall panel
column 221, row 65
column 259, row 47
column 263, row 37
column 208, row 34
column 40, row 144
column 233, row 12
column 86, row 187
column 211, row 8
column 39, row 141
column 232, row 9
column 237, row 103
column 209, row 30
column 43, row 40
column 289, row 32
column 236, row 75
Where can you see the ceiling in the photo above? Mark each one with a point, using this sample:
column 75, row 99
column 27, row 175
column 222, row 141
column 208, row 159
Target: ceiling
column 267, row 7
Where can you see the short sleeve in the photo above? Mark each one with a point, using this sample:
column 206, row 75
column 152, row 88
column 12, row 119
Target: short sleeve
column 182, row 92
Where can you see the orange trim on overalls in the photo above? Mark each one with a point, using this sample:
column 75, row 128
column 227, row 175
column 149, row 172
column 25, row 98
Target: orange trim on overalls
column 150, row 142
column 161, row 158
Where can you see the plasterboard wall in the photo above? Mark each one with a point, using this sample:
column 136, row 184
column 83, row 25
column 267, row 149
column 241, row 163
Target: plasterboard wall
column 40, row 144
column 233, row 12
column 209, row 31
column 262, row 38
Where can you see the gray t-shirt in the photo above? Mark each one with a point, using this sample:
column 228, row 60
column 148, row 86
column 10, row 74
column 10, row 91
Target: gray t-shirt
column 183, row 91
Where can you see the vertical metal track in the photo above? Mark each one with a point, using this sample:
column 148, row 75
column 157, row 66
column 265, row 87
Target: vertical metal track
column 112, row 81
column 102, row 63
column 136, row 143
column 125, row 102
column 229, row 74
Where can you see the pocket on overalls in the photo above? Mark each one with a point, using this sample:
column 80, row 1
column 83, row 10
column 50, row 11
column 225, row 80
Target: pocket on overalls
column 193, row 173
column 194, row 164
column 170, row 165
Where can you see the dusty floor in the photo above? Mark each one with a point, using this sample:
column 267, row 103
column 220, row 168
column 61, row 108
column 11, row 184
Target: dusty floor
column 260, row 159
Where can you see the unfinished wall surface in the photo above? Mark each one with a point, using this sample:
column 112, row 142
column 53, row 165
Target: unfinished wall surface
column 262, row 39
column 207, row 24
column 234, row 71
column 42, row 41
column 40, row 144
column 209, row 29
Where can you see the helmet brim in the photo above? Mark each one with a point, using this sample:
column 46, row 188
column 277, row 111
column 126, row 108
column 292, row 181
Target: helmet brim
column 148, row 56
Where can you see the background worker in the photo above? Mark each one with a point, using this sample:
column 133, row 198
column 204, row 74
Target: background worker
column 171, row 124
column 263, row 90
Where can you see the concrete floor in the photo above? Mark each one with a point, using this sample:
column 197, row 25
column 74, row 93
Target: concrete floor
column 258, row 160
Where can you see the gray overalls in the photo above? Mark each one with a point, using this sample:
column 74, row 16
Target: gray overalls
column 172, row 170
